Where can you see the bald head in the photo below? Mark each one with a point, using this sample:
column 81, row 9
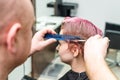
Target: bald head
column 16, row 19
column 15, row 10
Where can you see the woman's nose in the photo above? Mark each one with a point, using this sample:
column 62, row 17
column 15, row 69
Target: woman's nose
column 57, row 48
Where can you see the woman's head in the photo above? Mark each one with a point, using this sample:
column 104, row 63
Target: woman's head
column 77, row 27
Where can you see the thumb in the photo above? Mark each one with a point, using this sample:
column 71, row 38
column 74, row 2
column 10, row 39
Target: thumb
column 49, row 41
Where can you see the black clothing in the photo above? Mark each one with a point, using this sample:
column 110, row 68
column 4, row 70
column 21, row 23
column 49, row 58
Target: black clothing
column 71, row 75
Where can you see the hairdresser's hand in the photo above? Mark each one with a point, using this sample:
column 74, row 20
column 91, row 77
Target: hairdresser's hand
column 95, row 48
column 38, row 42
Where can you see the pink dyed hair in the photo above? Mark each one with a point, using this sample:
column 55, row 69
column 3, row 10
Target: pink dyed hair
column 79, row 27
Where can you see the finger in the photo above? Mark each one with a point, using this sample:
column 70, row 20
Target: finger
column 50, row 41
column 51, row 31
column 97, row 36
column 45, row 31
column 46, row 42
column 106, row 40
column 89, row 39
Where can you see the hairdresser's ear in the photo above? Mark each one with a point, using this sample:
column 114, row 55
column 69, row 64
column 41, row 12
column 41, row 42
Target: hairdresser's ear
column 12, row 36
column 75, row 50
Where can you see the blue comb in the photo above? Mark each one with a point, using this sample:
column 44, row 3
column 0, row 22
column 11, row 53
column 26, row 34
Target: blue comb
column 62, row 37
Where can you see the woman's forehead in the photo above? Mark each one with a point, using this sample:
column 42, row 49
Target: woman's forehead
column 61, row 41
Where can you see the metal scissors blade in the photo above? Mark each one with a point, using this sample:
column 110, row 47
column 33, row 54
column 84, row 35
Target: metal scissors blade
column 78, row 40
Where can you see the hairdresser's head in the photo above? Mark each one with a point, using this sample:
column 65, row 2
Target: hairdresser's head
column 16, row 20
column 77, row 27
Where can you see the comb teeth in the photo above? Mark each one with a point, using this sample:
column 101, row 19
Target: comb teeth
column 69, row 37
column 61, row 37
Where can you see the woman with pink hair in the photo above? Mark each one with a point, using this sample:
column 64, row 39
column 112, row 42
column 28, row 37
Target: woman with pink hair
column 72, row 52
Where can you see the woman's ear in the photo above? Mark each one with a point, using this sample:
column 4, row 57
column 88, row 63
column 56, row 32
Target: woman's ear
column 11, row 37
column 75, row 50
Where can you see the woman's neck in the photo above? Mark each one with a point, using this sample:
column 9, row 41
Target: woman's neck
column 78, row 65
